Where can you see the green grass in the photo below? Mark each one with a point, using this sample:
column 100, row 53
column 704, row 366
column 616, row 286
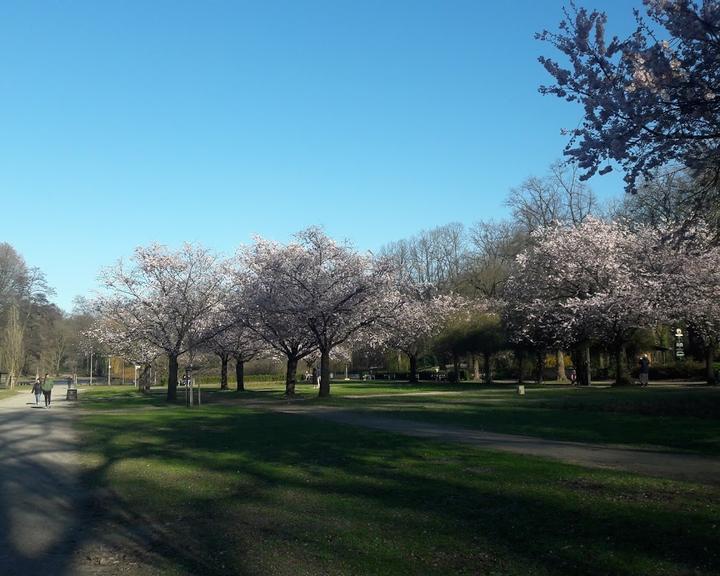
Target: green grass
column 6, row 393
column 677, row 418
column 684, row 419
column 127, row 397
column 226, row 490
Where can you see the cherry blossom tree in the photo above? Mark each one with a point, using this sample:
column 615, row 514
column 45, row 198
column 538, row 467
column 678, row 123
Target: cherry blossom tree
column 348, row 295
column 607, row 288
column 222, row 345
column 532, row 323
column 315, row 293
column 237, row 342
column 270, row 306
column 109, row 335
column 701, row 304
column 164, row 299
column 693, row 290
column 649, row 100
column 421, row 318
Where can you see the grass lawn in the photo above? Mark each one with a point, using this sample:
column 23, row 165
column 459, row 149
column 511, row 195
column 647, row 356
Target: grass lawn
column 6, row 392
column 227, row 490
column 679, row 418
column 682, row 419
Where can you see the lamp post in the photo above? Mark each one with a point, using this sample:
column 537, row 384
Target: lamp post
column 91, row 355
column 109, row 368
column 187, row 383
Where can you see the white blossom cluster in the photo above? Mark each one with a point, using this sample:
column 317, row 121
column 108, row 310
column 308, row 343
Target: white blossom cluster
column 311, row 296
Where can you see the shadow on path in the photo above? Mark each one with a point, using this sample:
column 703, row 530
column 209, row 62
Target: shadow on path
column 50, row 525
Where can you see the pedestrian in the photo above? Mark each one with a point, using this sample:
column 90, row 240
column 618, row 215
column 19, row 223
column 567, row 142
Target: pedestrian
column 573, row 377
column 47, row 387
column 644, row 370
column 316, row 377
column 37, row 390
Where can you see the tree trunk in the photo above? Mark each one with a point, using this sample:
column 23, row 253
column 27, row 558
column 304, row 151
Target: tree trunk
column 456, row 367
column 540, row 366
column 413, row 367
column 291, row 376
column 476, row 367
column 621, row 375
column 324, row 373
column 240, row 374
column 520, row 356
column 223, row 371
column 144, row 379
column 487, row 367
column 561, row 376
column 581, row 360
column 172, row 377
column 588, row 371
column 709, row 368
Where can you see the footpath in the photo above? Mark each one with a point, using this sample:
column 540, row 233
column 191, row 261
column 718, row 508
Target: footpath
column 647, row 461
column 50, row 525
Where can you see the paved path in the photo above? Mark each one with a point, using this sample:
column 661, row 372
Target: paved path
column 39, row 485
column 51, row 522
column 658, row 463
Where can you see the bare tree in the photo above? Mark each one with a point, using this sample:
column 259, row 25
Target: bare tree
column 437, row 256
column 13, row 350
column 494, row 246
column 558, row 197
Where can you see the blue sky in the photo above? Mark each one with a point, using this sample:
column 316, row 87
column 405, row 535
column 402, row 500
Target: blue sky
column 125, row 123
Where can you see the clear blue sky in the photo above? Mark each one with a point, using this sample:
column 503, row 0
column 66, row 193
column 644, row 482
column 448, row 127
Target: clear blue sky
column 124, row 123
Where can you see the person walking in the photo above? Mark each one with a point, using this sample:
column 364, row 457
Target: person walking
column 47, row 387
column 644, row 370
column 37, row 390
column 315, row 377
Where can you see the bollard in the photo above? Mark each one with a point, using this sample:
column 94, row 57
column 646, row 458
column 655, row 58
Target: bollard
column 521, row 390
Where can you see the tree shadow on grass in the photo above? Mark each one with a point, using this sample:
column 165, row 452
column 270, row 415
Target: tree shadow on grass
column 255, row 493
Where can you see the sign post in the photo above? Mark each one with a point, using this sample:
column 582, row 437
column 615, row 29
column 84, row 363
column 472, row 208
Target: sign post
column 679, row 344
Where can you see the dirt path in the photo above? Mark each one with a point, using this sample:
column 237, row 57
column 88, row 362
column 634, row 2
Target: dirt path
column 650, row 462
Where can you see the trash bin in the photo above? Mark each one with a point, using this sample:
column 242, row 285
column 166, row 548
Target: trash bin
column 71, row 392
